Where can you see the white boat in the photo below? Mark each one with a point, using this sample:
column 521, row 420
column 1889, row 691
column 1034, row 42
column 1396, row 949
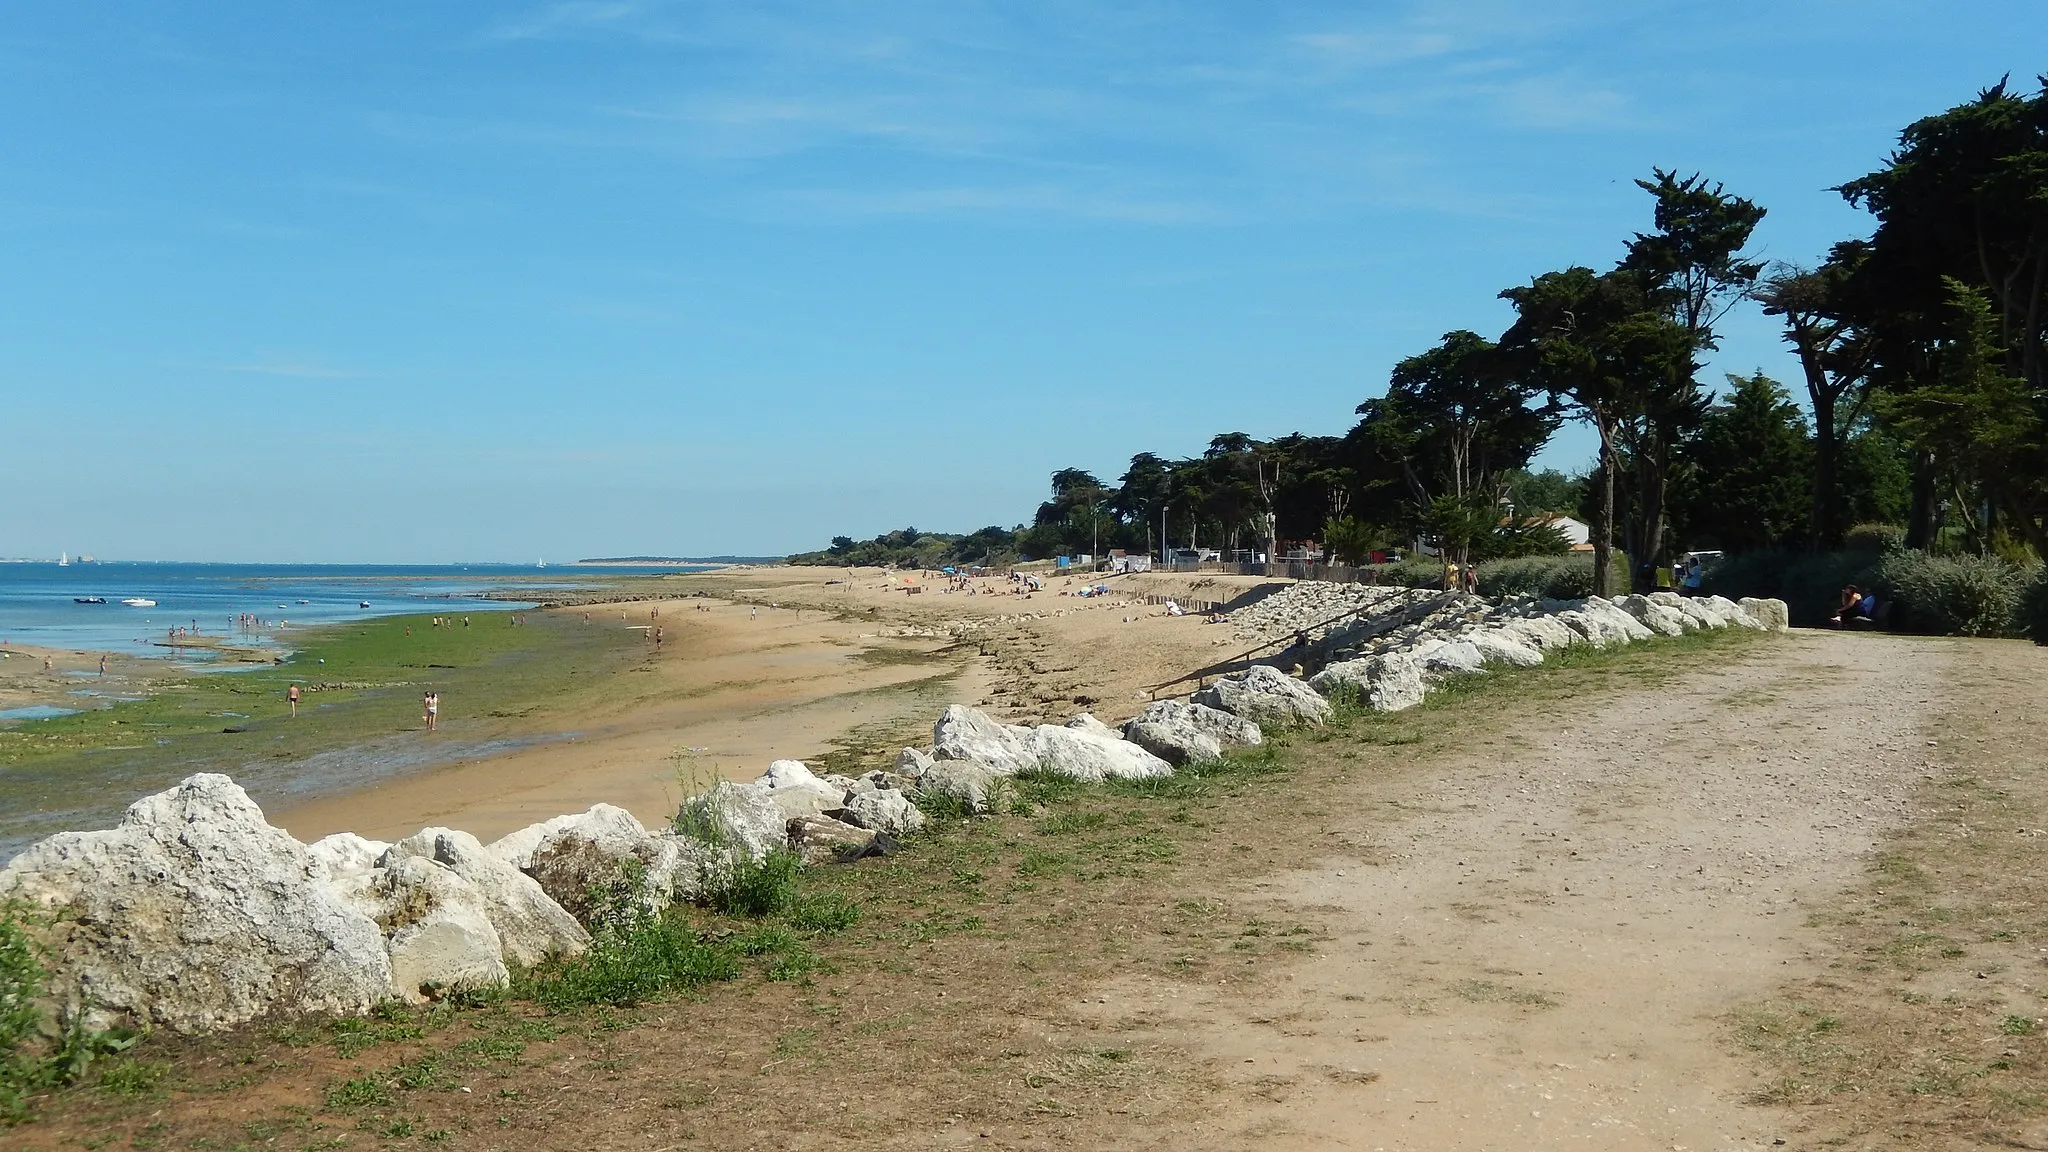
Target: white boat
column 139, row 602
column 63, row 559
column 364, row 604
column 305, row 601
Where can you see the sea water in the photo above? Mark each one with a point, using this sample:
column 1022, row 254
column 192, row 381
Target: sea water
column 37, row 605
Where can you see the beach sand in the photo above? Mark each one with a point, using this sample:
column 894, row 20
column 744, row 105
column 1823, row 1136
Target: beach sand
column 761, row 664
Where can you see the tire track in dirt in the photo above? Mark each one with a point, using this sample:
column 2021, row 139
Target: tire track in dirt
column 1537, row 950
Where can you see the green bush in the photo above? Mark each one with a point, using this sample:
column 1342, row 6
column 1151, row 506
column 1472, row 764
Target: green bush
column 631, row 960
column 22, row 1067
column 755, row 888
column 1873, row 537
column 2033, row 612
column 1414, row 572
column 1557, row 577
column 1951, row 595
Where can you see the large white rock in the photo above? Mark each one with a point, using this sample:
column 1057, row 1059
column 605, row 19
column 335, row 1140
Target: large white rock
column 824, row 840
column 1264, row 695
column 1386, row 683
column 1727, row 611
column 1086, row 749
column 1544, row 633
column 436, row 926
column 605, row 861
column 1768, row 614
column 1501, row 646
column 1440, row 658
column 884, row 810
column 516, row 848
column 193, row 915
column 912, row 762
column 796, row 791
column 1658, row 618
column 1175, row 741
column 733, row 817
column 1229, row 729
column 969, row 734
column 976, row 788
column 345, row 856
column 530, row 925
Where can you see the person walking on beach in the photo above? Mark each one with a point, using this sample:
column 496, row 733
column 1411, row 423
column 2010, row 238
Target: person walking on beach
column 103, row 666
column 432, row 702
column 292, row 694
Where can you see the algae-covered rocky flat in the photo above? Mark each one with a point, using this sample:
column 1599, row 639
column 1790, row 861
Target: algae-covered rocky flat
column 500, row 674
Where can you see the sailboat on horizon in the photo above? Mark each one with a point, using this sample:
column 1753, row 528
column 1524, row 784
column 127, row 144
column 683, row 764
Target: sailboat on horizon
column 63, row 559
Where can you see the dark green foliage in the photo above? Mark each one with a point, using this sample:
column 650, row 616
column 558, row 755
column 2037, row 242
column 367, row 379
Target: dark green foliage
column 648, row 954
column 1951, row 595
column 1548, row 492
column 1752, row 472
column 2033, row 611
column 22, row 1067
column 1555, row 577
column 1870, row 537
column 756, row 888
column 910, row 548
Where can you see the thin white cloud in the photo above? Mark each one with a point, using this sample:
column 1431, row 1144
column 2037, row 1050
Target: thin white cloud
column 558, row 19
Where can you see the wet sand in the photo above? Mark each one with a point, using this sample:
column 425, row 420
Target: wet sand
column 732, row 688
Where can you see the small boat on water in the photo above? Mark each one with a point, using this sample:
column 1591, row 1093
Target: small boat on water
column 88, row 599
column 139, row 602
column 364, row 604
column 305, row 601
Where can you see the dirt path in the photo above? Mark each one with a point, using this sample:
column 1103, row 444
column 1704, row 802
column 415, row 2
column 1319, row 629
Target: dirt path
column 1539, row 950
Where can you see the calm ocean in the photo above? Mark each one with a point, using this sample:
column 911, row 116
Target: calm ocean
column 37, row 600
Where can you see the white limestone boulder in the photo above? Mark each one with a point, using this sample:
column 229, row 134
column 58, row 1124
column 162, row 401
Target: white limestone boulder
column 741, row 818
column 1658, row 618
column 531, row 926
column 195, row 915
column 796, row 791
column 1086, row 749
column 883, row 810
column 1265, row 695
column 1386, row 683
column 1501, row 646
column 970, row 735
column 1229, row 729
column 437, row 929
column 1544, row 633
column 823, row 840
column 1439, row 658
column 976, row 789
column 1770, row 615
column 345, row 857
column 605, row 863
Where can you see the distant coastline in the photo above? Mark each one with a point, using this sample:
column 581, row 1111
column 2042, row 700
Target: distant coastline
column 644, row 561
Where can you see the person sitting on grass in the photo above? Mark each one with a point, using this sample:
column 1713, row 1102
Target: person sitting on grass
column 1856, row 607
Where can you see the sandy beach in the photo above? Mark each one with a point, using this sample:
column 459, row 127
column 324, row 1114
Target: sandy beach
column 804, row 663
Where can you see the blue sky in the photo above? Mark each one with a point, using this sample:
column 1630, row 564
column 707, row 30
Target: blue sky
column 441, row 282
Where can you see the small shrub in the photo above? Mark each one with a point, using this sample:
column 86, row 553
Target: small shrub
column 1951, row 595
column 1414, row 572
column 755, row 887
column 629, row 963
column 1555, row 577
column 1874, row 538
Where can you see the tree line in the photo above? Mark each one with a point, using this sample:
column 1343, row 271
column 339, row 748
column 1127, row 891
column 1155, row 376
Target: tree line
column 1923, row 373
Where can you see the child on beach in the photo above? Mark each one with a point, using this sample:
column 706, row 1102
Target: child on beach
column 432, row 702
column 292, row 694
